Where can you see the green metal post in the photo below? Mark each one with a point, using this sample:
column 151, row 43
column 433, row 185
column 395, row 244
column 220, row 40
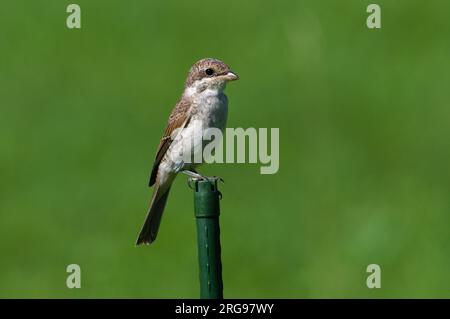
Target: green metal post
column 207, row 211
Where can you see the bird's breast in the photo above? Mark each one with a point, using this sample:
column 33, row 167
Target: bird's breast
column 208, row 111
column 212, row 110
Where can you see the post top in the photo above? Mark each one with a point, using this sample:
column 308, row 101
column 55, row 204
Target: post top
column 204, row 185
column 206, row 197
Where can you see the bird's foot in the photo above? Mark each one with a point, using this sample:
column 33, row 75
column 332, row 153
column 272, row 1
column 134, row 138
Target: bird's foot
column 220, row 179
column 194, row 175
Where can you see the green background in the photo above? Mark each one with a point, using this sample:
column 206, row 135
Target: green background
column 364, row 147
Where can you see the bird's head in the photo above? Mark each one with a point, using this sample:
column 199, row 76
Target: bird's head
column 209, row 74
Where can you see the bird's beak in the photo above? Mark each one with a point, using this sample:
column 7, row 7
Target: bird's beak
column 231, row 76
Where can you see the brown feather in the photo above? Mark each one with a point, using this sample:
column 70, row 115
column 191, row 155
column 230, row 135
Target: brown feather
column 153, row 219
column 179, row 118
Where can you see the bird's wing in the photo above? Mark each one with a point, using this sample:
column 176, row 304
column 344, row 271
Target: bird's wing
column 179, row 118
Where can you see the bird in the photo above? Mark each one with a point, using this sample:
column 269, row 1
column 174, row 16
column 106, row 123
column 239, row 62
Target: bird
column 203, row 101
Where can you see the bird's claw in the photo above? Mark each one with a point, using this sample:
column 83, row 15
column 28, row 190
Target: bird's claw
column 220, row 179
column 214, row 178
column 192, row 179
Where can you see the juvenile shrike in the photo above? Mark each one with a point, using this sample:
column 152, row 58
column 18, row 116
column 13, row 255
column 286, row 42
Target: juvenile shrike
column 203, row 101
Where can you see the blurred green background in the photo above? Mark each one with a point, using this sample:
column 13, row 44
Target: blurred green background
column 364, row 124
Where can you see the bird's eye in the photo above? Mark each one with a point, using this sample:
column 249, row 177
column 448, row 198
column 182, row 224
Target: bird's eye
column 209, row 72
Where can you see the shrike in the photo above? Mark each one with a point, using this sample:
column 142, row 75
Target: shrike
column 203, row 103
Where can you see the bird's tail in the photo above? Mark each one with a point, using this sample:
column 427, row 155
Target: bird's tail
column 151, row 225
